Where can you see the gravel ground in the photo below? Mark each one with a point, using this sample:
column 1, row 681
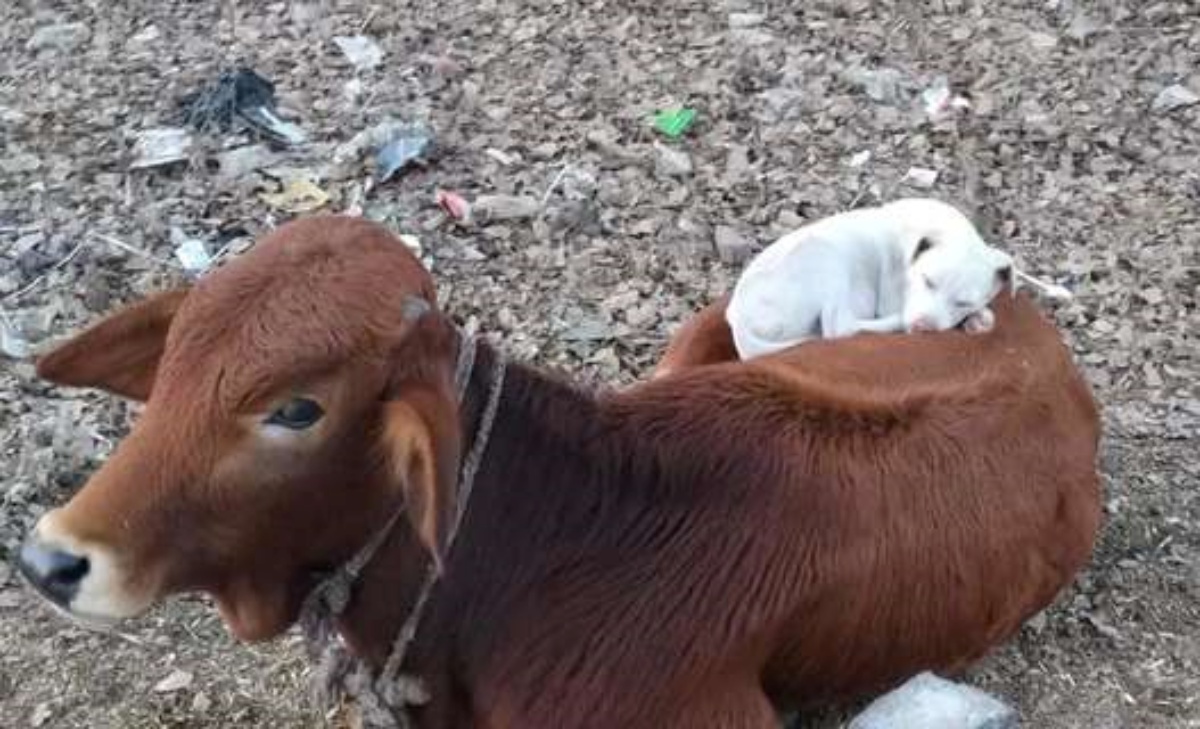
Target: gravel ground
column 1078, row 154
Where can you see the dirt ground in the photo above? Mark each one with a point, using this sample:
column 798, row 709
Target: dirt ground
column 1075, row 154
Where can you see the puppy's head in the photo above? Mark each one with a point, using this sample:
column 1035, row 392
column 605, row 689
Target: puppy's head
column 952, row 272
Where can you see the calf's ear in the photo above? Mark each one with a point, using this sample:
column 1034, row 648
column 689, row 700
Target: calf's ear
column 422, row 443
column 118, row 354
column 421, row 429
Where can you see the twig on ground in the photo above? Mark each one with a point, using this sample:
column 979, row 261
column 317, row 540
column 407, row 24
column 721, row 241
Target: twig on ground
column 115, row 243
column 42, row 277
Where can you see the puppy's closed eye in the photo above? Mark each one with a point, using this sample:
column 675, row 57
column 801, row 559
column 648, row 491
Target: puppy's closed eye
column 922, row 245
column 929, row 284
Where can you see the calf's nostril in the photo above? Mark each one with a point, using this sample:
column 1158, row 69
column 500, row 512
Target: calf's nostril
column 56, row 572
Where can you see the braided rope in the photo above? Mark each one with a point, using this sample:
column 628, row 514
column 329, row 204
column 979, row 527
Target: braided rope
column 383, row 702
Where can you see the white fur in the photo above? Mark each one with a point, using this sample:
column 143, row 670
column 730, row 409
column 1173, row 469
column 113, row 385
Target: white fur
column 855, row 272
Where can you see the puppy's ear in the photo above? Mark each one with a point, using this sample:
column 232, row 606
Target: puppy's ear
column 924, row 244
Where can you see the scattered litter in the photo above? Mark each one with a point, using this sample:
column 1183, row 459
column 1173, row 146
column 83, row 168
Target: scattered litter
column 1174, row 97
column 940, row 102
column 880, row 84
column 360, row 50
column 674, row 122
column 671, row 162
column 455, row 205
column 922, row 178
column 492, row 208
column 192, row 253
column 858, row 159
column 411, row 144
column 505, row 159
column 160, row 146
column 177, row 680
column 240, row 96
column 929, row 702
column 12, row 344
column 1048, row 289
column 413, row 243
column 299, row 195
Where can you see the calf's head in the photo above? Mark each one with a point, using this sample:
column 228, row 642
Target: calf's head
column 294, row 399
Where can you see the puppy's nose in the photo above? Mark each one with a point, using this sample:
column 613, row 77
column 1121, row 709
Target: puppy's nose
column 55, row 572
column 922, row 324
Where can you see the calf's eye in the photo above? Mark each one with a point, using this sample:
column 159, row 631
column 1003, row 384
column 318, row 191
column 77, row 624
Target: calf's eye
column 297, row 414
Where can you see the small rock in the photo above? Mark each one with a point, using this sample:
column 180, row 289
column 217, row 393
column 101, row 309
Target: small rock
column 241, row 161
column 1174, row 97
column 41, row 714
column 13, row 163
column 745, row 20
column 9, row 282
column 921, row 178
column 1082, row 27
column 61, row 37
column 1038, row 622
column 177, row 680
column 858, row 159
column 1042, row 41
column 201, row 703
column 671, row 162
column 929, row 702
column 732, row 246
column 360, row 50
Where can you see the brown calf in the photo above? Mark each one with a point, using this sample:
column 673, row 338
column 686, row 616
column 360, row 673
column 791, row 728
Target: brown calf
column 692, row 552
column 703, row 339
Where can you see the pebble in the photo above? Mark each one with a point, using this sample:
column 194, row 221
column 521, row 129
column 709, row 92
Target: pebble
column 745, row 20
column 60, row 37
column 201, row 703
column 672, row 162
column 1174, row 97
column 177, row 680
column 732, row 246
column 492, row 208
column 929, row 702
column 241, row 161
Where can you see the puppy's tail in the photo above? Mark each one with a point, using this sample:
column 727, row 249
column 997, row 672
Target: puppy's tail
column 1050, row 290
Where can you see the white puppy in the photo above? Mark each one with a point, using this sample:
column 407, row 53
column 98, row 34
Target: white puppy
column 915, row 264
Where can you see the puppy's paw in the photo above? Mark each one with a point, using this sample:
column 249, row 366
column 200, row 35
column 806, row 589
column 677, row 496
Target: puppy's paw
column 980, row 322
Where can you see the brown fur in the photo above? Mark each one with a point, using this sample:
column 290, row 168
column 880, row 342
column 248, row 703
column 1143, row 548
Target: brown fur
column 703, row 339
column 688, row 553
